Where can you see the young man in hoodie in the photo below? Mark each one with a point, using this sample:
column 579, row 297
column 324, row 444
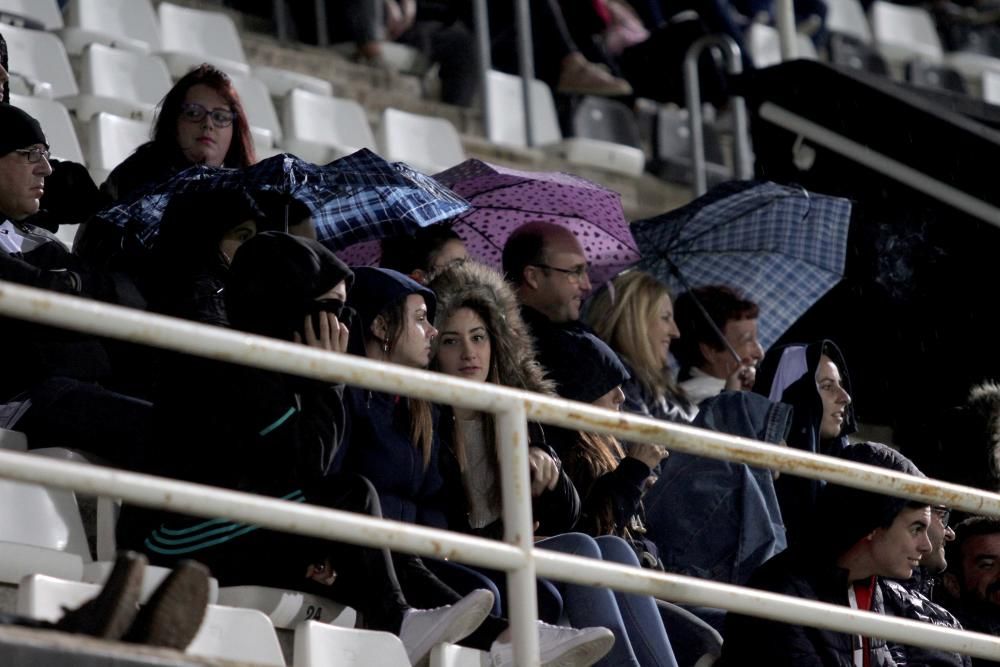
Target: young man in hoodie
column 855, row 539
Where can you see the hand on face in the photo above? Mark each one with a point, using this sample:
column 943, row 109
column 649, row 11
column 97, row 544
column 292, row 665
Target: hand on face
column 331, row 336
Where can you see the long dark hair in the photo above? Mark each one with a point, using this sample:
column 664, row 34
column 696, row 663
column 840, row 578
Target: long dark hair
column 5, row 91
column 241, row 152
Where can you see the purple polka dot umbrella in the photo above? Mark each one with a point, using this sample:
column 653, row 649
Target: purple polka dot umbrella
column 503, row 199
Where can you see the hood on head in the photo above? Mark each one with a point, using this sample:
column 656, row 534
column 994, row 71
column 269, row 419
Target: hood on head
column 484, row 290
column 274, row 280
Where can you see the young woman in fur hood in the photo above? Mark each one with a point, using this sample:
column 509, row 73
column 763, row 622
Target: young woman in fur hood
column 481, row 337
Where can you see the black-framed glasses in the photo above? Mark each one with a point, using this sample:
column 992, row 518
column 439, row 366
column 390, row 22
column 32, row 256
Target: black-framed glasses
column 34, row 154
column 196, row 113
column 943, row 514
column 575, row 274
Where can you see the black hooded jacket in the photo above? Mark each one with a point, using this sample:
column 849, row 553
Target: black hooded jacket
column 788, row 375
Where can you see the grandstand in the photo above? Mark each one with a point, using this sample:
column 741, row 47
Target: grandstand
column 93, row 76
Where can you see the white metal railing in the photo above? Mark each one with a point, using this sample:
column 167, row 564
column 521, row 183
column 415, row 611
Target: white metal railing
column 517, row 556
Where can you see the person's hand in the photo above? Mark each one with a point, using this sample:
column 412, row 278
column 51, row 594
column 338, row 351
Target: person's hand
column 322, row 572
column 648, row 453
column 544, row 471
column 742, row 378
column 332, row 334
column 399, row 17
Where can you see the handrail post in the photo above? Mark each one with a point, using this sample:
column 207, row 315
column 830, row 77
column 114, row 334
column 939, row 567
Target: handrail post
column 692, row 93
column 484, row 42
column 526, row 59
column 512, row 444
column 784, row 18
column 322, row 34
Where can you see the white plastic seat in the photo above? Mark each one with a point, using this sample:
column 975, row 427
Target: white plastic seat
column 111, row 140
column 319, row 129
column 847, row 17
column 507, row 126
column 41, row 530
column 43, row 597
column 321, row 645
column 903, row 33
column 259, row 109
column 765, row 46
column 97, row 573
column 40, row 57
column 426, row 143
column 45, row 12
column 237, row 635
column 56, row 124
column 189, row 37
column 123, row 24
column 451, row 655
column 991, row 87
column 123, row 83
column 280, row 82
column 14, row 441
column 286, row 608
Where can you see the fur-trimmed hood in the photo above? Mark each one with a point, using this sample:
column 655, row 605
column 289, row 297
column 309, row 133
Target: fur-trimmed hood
column 484, row 290
column 970, row 443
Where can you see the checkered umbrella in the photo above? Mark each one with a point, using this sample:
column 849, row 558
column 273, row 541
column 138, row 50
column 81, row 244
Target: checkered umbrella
column 351, row 200
column 782, row 247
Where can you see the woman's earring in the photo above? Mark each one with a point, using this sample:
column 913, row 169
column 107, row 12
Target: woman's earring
column 385, row 348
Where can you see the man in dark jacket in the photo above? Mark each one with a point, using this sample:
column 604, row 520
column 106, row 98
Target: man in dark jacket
column 912, row 599
column 51, row 382
column 972, row 583
column 856, row 538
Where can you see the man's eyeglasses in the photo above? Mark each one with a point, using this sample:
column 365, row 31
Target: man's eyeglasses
column 943, row 514
column 196, row 113
column 34, row 154
column 576, row 274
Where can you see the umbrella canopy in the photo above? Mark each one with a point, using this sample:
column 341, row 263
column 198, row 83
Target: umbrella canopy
column 782, row 247
column 503, row 199
column 353, row 199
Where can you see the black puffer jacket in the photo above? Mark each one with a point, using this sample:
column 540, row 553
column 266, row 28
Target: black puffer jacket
column 911, row 599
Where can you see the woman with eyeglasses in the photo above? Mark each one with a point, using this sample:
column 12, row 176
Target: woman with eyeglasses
column 200, row 121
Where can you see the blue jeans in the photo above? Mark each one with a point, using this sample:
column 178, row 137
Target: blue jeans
column 640, row 638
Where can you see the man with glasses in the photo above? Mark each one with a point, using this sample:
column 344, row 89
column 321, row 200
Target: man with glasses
column 50, row 380
column 912, row 598
column 972, row 583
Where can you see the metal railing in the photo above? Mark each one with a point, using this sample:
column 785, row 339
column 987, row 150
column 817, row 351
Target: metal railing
column 516, row 555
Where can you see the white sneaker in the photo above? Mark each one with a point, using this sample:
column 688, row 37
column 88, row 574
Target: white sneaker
column 559, row 646
column 423, row 629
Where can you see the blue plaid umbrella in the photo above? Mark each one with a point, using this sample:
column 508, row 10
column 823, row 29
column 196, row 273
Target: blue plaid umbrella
column 356, row 198
column 782, row 247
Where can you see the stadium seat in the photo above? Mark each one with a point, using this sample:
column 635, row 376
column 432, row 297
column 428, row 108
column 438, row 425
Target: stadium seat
column 673, row 148
column 111, row 140
column 507, row 126
column 765, row 46
column 40, row 57
column 123, row 83
column 991, row 87
column 14, row 441
column 904, row 33
column 189, row 37
column 605, row 132
column 98, row 572
column 287, row 608
column 426, row 143
column 450, row 655
column 122, row 24
column 43, row 597
column 44, row 13
column 237, row 635
column 56, row 124
column 40, row 529
column 321, row 645
column 260, row 111
column 847, row 17
column 280, row 82
column 936, row 77
column 319, row 129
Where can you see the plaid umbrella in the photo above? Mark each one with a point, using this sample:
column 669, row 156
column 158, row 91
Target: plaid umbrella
column 783, row 247
column 353, row 199
column 503, row 199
